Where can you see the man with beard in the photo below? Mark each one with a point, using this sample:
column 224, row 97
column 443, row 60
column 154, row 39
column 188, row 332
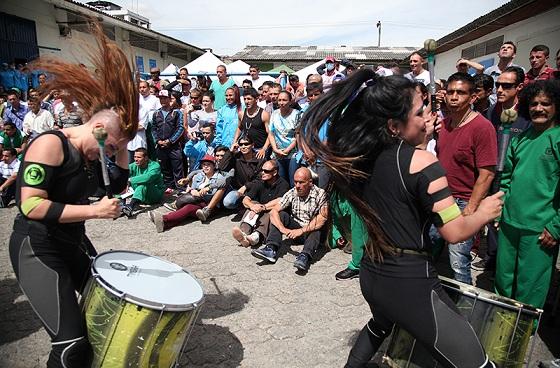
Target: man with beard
column 530, row 222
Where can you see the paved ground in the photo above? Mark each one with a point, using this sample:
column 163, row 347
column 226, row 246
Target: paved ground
column 254, row 315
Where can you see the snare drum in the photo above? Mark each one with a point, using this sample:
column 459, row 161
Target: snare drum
column 502, row 325
column 139, row 310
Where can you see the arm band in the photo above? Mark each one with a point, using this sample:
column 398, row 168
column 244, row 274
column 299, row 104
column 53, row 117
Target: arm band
column 37, row 175
column 54, row 212
column 446, row 215
column 29, row 204
column 441, row 194
column 433, row 171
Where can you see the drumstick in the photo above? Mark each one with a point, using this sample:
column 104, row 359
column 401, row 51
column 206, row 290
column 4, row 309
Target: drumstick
column 430, row 45
column 100, row 135
column 507, row 118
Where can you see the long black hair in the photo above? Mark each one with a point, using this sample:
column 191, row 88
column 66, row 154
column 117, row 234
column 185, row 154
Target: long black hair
column 358, row 110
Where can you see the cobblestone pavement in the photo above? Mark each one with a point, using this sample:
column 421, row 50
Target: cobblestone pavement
column 254, row 316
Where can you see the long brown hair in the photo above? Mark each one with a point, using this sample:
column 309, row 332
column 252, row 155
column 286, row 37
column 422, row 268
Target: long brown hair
column 358, row 109
column 112, row 86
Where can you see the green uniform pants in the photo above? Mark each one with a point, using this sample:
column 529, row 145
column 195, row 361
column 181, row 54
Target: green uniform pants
column 148, row 194
column 523, row 267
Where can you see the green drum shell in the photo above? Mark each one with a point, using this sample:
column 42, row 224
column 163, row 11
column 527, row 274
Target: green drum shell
column 502, row 325
column 124, row 334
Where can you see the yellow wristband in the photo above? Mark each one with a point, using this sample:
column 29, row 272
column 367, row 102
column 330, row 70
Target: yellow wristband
column 449, row 214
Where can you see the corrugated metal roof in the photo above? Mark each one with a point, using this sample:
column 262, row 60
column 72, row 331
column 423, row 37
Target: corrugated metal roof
column 288, row 53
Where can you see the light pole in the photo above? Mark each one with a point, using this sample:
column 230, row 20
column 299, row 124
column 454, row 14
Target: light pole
column 379, row 30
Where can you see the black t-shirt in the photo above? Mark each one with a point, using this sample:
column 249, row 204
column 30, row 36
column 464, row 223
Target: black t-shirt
column 400, row 199
column 254, row 128
column 263, row 192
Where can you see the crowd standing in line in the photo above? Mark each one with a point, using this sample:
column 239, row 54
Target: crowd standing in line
column 281, row 154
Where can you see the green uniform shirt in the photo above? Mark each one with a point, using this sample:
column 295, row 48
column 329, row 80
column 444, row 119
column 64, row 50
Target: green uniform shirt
column 150, row 175
column 530, row 181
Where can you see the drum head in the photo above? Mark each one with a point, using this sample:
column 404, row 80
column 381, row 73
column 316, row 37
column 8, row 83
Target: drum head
column 147, row 281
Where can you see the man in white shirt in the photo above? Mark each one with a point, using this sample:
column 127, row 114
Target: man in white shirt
column 9, row 167
column 148, row 104
column 255, row 78
column 506, row 54
column 417, row 72
column 37, row 120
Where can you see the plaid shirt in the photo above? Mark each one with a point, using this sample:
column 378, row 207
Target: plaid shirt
column 303, row 209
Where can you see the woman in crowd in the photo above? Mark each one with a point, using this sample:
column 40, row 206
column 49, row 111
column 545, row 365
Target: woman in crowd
column 49, row 250
column 227, row 118
column 282, row 136
column 375, row 124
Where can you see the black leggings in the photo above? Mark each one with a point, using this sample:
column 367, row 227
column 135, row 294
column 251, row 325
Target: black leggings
column 51, row 264
column 406, row 291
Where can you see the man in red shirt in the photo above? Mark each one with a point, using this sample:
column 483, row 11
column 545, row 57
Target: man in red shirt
column 539, row 68
column 467, row 149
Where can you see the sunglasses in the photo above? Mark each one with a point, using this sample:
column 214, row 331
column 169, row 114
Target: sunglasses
column 244, row 144
column 506, row 85
column 267, row 171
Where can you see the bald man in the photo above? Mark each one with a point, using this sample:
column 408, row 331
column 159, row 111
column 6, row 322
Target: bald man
column 301, row 213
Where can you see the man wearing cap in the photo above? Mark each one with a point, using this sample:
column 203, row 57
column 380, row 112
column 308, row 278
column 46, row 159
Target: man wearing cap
column 331, row 74
column 417, row 72
column 155, row 80
column 167, row 131
column 15, row 112
column 205, row 193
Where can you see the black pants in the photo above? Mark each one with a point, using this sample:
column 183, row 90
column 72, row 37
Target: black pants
column 51, row 264
column 312, row 240
column 491, row 245
column 171, row 162
column 406, row 291
column 7, row 195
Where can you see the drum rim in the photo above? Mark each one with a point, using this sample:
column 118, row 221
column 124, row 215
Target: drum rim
column 474, row 292
column 142, row 302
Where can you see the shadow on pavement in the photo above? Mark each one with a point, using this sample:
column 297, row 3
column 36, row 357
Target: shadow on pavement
column 219, row 305
column 17, row 319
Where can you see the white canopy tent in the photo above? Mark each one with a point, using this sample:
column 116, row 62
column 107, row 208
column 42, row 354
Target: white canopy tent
column 205, row 63
column 238, row 67
column 171, row 69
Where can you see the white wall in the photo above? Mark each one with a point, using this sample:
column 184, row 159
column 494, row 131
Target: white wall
column 541, row 29
column 75, row 46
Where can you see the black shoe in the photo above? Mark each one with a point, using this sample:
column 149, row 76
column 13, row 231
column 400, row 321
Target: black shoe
column 483, row 265
column 127, row 211
column 302, row 262
column 347, row 274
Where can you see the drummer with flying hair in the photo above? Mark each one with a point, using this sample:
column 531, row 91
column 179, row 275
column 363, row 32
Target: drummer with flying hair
column 49, row 250
column 398, row 191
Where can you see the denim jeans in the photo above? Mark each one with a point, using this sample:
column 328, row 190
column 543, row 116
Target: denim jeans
column 232, row 199
column 460, row 254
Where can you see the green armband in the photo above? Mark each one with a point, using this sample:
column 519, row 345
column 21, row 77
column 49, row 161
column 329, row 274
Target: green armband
column 446, row 215
column 29, row 204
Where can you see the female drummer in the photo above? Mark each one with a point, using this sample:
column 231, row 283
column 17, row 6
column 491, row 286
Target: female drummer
column 399, row 191
column 49, row 250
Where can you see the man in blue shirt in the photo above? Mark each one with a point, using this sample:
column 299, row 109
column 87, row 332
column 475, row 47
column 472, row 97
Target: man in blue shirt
column 16, row 111
column 200, row 146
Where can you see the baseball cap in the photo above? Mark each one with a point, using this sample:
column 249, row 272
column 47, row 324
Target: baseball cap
column 329, row 58
column 208, row 158
column 163, row 93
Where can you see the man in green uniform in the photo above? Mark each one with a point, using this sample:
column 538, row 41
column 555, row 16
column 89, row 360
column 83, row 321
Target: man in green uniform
column 530, row 223
column 347, row 223
column 146, row 181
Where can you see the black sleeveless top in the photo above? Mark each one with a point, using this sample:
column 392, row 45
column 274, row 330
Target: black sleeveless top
column 254, row 128
column 400, row 199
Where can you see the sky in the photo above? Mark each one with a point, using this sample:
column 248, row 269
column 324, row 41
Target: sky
column 227, row 26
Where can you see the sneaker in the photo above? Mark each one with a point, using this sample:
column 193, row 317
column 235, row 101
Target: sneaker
column 347, row 274
column 127, row 211
column 171, row 206
column 169, row 191
column 254, row 238
column 240, row 236
column 203, row 214
column 483, row 265
column 266, row 253
column 157, row 219
column 302, row 262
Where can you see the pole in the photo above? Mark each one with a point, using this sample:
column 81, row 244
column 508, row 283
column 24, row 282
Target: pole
column 379, row 36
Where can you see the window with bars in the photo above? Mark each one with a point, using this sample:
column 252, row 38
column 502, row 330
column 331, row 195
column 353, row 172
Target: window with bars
column 484, row 48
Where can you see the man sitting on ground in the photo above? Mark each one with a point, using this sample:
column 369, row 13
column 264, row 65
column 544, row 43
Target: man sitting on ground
column 259, row 200
column 146, row 181
column 9, row 167
column 308, row 214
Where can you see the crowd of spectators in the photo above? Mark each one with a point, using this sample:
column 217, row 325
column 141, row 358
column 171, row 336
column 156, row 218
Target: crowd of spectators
column 206, row 146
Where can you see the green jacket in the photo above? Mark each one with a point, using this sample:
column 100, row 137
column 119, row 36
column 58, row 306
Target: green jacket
column 346, row 221
column 530, row 181
column 17, row 140
column 150, row 175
